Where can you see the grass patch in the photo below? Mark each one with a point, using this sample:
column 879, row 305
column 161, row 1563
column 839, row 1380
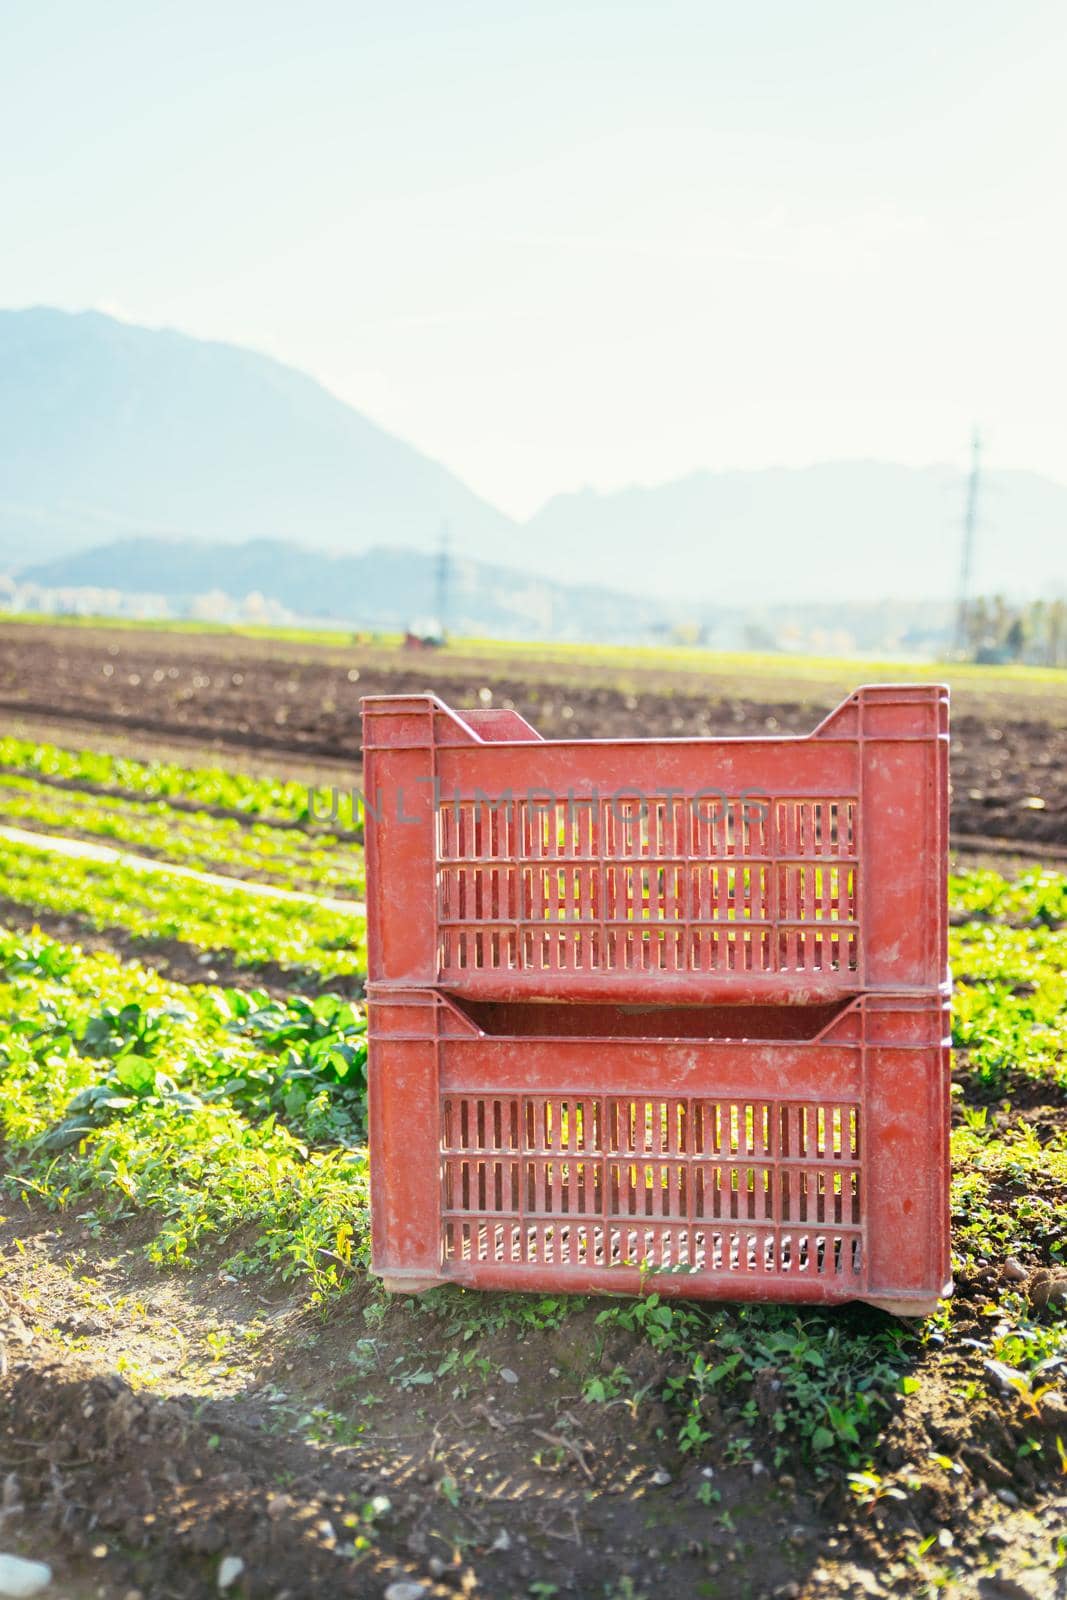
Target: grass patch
column 270, row 799
column 1034, row 898
column 254, row 930
column 288, row 857
column 217, row 1112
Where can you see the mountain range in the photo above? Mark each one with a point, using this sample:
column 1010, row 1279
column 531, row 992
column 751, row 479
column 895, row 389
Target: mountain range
column 381, row 588
column 112, row 435
column 108, row 429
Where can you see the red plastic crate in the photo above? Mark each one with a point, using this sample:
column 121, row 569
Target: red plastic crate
column 505, row 866
column 660, row 1012
column 766, row 1153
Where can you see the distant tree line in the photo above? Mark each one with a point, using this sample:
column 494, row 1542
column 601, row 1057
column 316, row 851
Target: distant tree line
column 1035, row 633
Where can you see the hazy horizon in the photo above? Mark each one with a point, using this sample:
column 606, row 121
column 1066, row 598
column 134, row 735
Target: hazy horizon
column 725, row 469
column 591, row 245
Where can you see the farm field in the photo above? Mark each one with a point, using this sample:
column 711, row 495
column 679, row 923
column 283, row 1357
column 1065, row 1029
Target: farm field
column 194, row 1361
column 289, row 706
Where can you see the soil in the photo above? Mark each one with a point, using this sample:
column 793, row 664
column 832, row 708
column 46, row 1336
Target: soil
column 181, row 963
column 209, row 1454
column 153, row 1424
column 294, row 709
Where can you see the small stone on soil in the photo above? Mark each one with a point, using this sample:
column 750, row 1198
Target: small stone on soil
column 230, row 1569
column 19, row 1579
column 405, row 1591
column 507, row 1376
column 1003, row 1378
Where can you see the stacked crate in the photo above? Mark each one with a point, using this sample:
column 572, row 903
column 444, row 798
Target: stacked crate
column 666, row 1013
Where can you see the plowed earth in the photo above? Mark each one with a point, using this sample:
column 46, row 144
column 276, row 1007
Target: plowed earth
column 294, row 709
column 152, row 1426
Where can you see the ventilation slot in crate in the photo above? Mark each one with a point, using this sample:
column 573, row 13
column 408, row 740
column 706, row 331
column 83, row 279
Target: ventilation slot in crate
column 701, row 1185
column 639, row 886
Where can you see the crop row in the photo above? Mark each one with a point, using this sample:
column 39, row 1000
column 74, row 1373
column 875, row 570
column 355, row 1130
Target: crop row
column 1037, row 898
column 271, row 799
column 1009, row 961
column 1009, row 1007
column 255, row 930
column 212, row 1109
column 285, row 856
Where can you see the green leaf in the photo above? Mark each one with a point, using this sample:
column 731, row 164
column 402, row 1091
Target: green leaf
column 723, row 1369
column 135, row 1073
column 69, row 1132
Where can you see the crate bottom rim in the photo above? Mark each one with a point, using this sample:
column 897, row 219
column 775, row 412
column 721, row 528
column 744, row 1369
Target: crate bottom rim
column 627, row 1285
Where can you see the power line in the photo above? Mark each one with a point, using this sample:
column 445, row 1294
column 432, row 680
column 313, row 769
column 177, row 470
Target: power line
column 970, row 526
column 443, row 574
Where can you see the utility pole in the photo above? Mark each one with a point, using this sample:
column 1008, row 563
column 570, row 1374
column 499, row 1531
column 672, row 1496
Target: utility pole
column 970, row 525
column 443, row 574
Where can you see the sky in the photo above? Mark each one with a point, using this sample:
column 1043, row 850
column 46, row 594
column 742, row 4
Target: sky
column 557, row 245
